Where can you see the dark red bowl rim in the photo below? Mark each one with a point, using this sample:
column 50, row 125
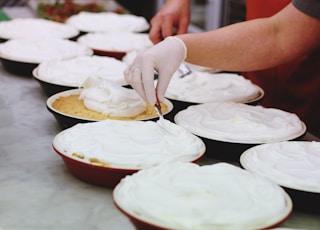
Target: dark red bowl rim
column 108, row 168
column 72, row 160
column 110, row 53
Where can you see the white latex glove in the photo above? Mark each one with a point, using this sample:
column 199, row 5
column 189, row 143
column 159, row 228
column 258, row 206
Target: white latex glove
column 165, row 58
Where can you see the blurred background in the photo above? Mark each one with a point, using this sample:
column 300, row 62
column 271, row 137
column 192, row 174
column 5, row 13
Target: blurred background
column 205, row 14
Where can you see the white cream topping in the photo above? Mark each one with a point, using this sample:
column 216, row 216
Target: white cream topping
column 130, row 144
column 130, row 56
column 203, row 87
column 116, row 41
column 293, row 164
column 202, row 68
column 38, row 50
column 217, row 196
column 109, row 98
column 240, row 123
column 35, row 28
column 108, row 22
column 73, row 72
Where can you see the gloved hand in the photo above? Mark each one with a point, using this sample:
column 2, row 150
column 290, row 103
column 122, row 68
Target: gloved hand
column 165, row 58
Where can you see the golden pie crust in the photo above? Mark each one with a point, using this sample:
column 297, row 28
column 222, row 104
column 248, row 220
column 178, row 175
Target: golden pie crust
column 72, row 105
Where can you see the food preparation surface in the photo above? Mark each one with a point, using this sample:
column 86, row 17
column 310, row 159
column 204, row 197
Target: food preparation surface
column 36, row 189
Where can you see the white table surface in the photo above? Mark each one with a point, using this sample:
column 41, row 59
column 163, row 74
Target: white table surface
column 36, row 189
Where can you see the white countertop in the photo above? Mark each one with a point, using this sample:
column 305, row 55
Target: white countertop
column 36, row 189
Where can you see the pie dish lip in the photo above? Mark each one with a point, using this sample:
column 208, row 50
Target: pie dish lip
column 54, row 97
column 106, row 176
column 119, row 55
column 157, row 226
column 246, row 155
column 85, row 163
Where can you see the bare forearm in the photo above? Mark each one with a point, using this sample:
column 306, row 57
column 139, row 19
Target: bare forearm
column 255, row 44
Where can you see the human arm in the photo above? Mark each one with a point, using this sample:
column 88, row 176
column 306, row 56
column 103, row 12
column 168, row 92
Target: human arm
column 255, row 44
column 173, row 18
column 245, row 46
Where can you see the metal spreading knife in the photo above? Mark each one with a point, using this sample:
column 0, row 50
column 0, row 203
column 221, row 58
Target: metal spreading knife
column 158, row 108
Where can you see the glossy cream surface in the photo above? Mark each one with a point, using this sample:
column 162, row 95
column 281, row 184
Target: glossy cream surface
column 38, row 50
column 294, row 164
column 203, row 87
column 109, row 98
column 108, row 22
column 116, row 41
column 240, row 123
column 217, row 196
column 35, row 28
column 130, row 144
column 74, row 72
